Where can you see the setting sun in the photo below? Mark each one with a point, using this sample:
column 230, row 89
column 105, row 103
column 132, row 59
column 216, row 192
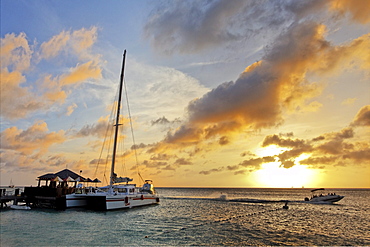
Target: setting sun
column 275, row 176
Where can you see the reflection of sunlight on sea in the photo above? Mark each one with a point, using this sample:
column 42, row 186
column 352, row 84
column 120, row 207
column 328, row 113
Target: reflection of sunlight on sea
column 197, row 217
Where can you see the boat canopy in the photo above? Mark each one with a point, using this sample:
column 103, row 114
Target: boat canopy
column 122, row 179
column 317, row 189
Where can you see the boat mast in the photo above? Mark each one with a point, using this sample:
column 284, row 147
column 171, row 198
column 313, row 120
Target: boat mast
column 117, row 120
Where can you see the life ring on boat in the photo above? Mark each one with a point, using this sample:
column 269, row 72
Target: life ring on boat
column 142, row 197
column 126, row 199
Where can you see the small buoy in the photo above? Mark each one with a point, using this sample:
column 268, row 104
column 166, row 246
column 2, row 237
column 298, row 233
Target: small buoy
column 286, row 206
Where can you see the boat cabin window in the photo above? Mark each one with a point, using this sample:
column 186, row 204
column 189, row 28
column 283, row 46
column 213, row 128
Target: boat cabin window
column 132, row 190
column 120, row 190
column 79, row 191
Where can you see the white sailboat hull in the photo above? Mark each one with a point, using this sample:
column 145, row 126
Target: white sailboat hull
column 76, row 200
column 111, row 202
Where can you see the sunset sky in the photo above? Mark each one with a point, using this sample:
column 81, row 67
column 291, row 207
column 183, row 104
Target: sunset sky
column 222, row 93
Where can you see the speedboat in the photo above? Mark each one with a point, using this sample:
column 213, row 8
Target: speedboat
column 323, row 198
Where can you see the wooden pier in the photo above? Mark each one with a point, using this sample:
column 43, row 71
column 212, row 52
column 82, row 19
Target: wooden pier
column 5, row 198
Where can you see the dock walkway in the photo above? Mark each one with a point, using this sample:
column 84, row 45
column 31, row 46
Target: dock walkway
column 5, row 198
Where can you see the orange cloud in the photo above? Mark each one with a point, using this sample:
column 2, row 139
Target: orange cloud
column 35, row 140
column 81, row 73
column 71, row 109
column 84, row 38
column 55, row 45
column 358, row 9
column 363, row 117
column 267, row 89
column 16, row 101
column 18, row 56
column 76, row 42
column 15, row 52
column 329, row 149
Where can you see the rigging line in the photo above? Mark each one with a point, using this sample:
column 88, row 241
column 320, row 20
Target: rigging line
column 122, row 148
column 132, row 133
column 110, row 120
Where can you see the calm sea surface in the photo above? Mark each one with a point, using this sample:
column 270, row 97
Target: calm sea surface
column 199, row 217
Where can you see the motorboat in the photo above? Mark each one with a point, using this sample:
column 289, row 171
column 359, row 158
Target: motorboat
column 323, row 198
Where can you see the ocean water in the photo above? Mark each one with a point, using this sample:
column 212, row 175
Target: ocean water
column 216, row 217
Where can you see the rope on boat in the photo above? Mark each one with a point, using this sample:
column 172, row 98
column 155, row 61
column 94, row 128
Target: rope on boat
column 132, row 132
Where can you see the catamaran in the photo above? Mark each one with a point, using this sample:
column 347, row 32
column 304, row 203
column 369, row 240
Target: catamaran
column 120, row 193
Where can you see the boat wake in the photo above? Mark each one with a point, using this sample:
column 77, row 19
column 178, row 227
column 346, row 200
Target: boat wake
column 223, row 197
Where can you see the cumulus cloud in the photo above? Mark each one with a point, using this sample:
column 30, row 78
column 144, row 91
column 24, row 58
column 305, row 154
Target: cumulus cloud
column 16, row 100
column 359, row 10
column 363, row 117
column 35, row 140
column 71, row 109
column 265, row 90
column 76, row 43
column 329, row 149
column 55, row 45
column 164, row 121
column 19, row 57
column 81, row 73
column 189, row 27
column 16, row 52
column 98, row 129
column 208, row 172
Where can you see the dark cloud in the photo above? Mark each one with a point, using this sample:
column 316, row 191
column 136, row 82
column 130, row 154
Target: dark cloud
column 182, row 162
column 139, row 146
column 329, row 149
column 363, row 117
column 208, row 172
column 161, row 157
column 255, row 163
column 223, row 140
column 162, row 120
column 98, row 129
column 282, row 142
column 154, row 164
column 191, row 26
